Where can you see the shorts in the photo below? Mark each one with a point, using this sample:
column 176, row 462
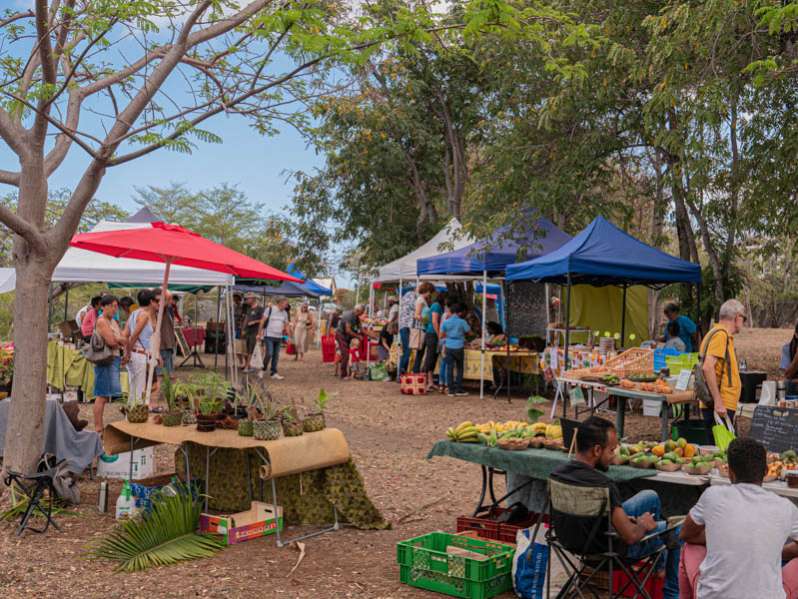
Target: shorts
column 240, row 346
column 252, row 341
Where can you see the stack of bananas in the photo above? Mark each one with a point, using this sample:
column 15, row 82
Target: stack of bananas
column 465, row 432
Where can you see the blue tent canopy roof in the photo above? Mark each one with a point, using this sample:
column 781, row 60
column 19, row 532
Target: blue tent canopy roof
column 495, row 253
column 603, row 254
column 286, row 289
column 309, row 284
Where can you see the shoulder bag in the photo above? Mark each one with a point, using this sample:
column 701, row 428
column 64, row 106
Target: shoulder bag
column 702, row 392
column 97, row 351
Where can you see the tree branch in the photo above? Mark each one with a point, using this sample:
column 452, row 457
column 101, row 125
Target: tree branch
column 16, row 17
column 49, row 74
column 9, row 178
column 22, row 228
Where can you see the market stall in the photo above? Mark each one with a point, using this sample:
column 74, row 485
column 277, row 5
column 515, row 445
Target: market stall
column 489, row 258
column 67, row 368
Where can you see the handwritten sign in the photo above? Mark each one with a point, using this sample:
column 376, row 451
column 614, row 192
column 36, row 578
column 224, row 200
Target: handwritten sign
column 776, row 428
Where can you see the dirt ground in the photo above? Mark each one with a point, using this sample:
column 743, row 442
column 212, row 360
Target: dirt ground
column 389, row 434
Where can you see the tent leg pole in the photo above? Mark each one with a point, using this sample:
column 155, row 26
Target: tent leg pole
column 567, row 339
column 218, row 322
column 227, row 319
column 63, row 357
column 698, row 309
column 623, row 318
column 484, row 330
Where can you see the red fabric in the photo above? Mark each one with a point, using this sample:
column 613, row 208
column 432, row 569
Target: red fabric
column 328, row 349
column 162, row 242
column 194, row 336
column 690, row 561
column 88, row 323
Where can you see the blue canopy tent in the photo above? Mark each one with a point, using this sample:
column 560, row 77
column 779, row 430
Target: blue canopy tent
column 286, row 289
column 491, row 256
column 603, row 254
column 309, row 284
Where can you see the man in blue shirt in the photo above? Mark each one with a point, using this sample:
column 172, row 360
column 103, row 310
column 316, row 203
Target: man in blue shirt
column 687, row 329
column 453, row 332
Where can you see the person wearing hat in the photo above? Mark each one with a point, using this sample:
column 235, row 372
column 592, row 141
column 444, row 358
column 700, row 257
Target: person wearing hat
column 250, row 330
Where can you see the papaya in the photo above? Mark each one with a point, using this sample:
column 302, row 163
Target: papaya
column 658, row 450
column 689, row 450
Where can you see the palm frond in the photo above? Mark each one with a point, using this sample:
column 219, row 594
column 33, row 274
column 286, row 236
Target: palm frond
column 166, row 536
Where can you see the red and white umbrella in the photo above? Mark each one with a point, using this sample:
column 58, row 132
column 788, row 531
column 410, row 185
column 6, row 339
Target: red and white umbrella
column 172, row 244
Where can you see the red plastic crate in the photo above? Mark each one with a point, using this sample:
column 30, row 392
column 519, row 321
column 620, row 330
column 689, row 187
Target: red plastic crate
column 655, row 586
column 487, row 527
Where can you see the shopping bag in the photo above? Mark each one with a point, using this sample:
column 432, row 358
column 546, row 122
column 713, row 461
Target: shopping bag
column 416, row 339
column 723, row 432
column 256, row 361
column 530, row 562
column 378, row 372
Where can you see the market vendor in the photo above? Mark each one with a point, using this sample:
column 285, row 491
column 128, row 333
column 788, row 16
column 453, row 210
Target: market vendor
column 633, row 519
column 688, row 331
column 496, row 336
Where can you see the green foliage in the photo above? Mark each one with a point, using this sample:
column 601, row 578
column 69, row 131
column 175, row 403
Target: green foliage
column 168, row 391
column 322, row 399
column 533, row 412
column 164, row 537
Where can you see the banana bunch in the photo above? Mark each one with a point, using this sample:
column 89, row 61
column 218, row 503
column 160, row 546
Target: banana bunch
column 465, row 432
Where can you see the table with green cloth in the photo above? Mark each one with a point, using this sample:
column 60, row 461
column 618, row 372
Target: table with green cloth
column 66, row 367
column 528, row 470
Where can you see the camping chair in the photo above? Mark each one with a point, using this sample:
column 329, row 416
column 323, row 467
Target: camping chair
column 34, row 486
column 582, row 538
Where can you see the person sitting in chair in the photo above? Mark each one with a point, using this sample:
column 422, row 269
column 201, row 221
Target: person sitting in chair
column 633, row 519
column 740, row 524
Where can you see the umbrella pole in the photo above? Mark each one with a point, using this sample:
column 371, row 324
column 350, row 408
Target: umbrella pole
column 218, row 322
column 484, row 330
column 155, row 343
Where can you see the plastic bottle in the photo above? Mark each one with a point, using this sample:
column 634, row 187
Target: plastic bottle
column 125, row 502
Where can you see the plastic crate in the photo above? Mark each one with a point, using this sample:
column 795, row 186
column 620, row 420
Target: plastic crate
column 429, row 552
column 661, row 357
column 487, row 527
column 652, row 407
column 453, row 586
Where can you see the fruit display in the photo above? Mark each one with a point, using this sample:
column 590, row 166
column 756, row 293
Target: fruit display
column 610, row 380
column 778, row 464
column 699, row 465
column 511, row 435
column 465, row 432
column 660, row 387
column 668, row 456
column 642, row 377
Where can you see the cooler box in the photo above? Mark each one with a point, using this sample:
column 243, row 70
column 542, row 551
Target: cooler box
column 328, row 349
column 118, row 466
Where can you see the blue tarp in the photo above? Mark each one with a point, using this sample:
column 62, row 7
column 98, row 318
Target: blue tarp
column 495, row 253
column 603, row 254
column 309, row 284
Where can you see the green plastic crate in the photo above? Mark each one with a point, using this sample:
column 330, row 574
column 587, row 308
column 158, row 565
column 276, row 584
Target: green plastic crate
column 424, row 563
column 455, row 587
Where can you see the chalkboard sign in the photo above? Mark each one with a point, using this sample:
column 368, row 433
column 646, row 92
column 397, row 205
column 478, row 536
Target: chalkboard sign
column 527, row 312
column 776, row 428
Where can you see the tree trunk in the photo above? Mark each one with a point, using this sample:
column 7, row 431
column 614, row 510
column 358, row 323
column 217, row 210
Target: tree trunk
column 25, row 429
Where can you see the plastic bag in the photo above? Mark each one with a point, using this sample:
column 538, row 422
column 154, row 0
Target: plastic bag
column 378, row 372
column 256, row 361
column 723, row 432
column 530, row 563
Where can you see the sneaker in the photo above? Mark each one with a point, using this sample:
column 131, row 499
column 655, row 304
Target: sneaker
column 450, row 394
column 461, row 393
column 248, row 370
column 277, row 377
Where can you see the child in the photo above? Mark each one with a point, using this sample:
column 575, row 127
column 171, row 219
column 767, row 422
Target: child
column 453, row 332
column 355, row 367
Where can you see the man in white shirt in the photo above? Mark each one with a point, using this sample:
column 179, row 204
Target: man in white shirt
column 275, row 326
column 735, row 535
column 407, row 305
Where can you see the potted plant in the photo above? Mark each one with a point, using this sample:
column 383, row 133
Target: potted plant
column 173, row 415
column 137, row 410
column 292, row 424
column 268, row 428
column 209, row 413
column 314, row 421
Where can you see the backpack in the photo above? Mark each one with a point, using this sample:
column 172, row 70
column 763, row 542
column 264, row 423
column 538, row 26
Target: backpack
column 700, row 386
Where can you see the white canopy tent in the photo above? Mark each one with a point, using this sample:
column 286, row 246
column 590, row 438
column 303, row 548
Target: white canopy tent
column 404, row 268
column 81, row 266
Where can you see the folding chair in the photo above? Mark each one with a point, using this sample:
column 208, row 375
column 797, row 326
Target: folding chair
column 34, row 487
column 582, row 538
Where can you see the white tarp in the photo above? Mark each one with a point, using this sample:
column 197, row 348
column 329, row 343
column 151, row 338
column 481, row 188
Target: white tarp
column 404, row 268
column 83, row 266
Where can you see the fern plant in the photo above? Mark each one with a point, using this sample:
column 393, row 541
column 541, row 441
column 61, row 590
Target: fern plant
column 164, row 537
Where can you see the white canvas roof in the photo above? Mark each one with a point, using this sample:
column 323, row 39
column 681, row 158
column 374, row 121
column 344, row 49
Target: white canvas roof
column 404, row 268
column 83, row 266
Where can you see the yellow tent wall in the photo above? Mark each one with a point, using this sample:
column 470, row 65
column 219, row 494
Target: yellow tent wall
column 599, row 309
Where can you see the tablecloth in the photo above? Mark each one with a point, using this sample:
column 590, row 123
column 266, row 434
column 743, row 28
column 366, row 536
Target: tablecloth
column 194, row 336
column 66, row 366
column 78, row 448
column 536, row 463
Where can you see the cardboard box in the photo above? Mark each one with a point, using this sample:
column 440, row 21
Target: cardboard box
column 260, row 520
column 118, row 466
